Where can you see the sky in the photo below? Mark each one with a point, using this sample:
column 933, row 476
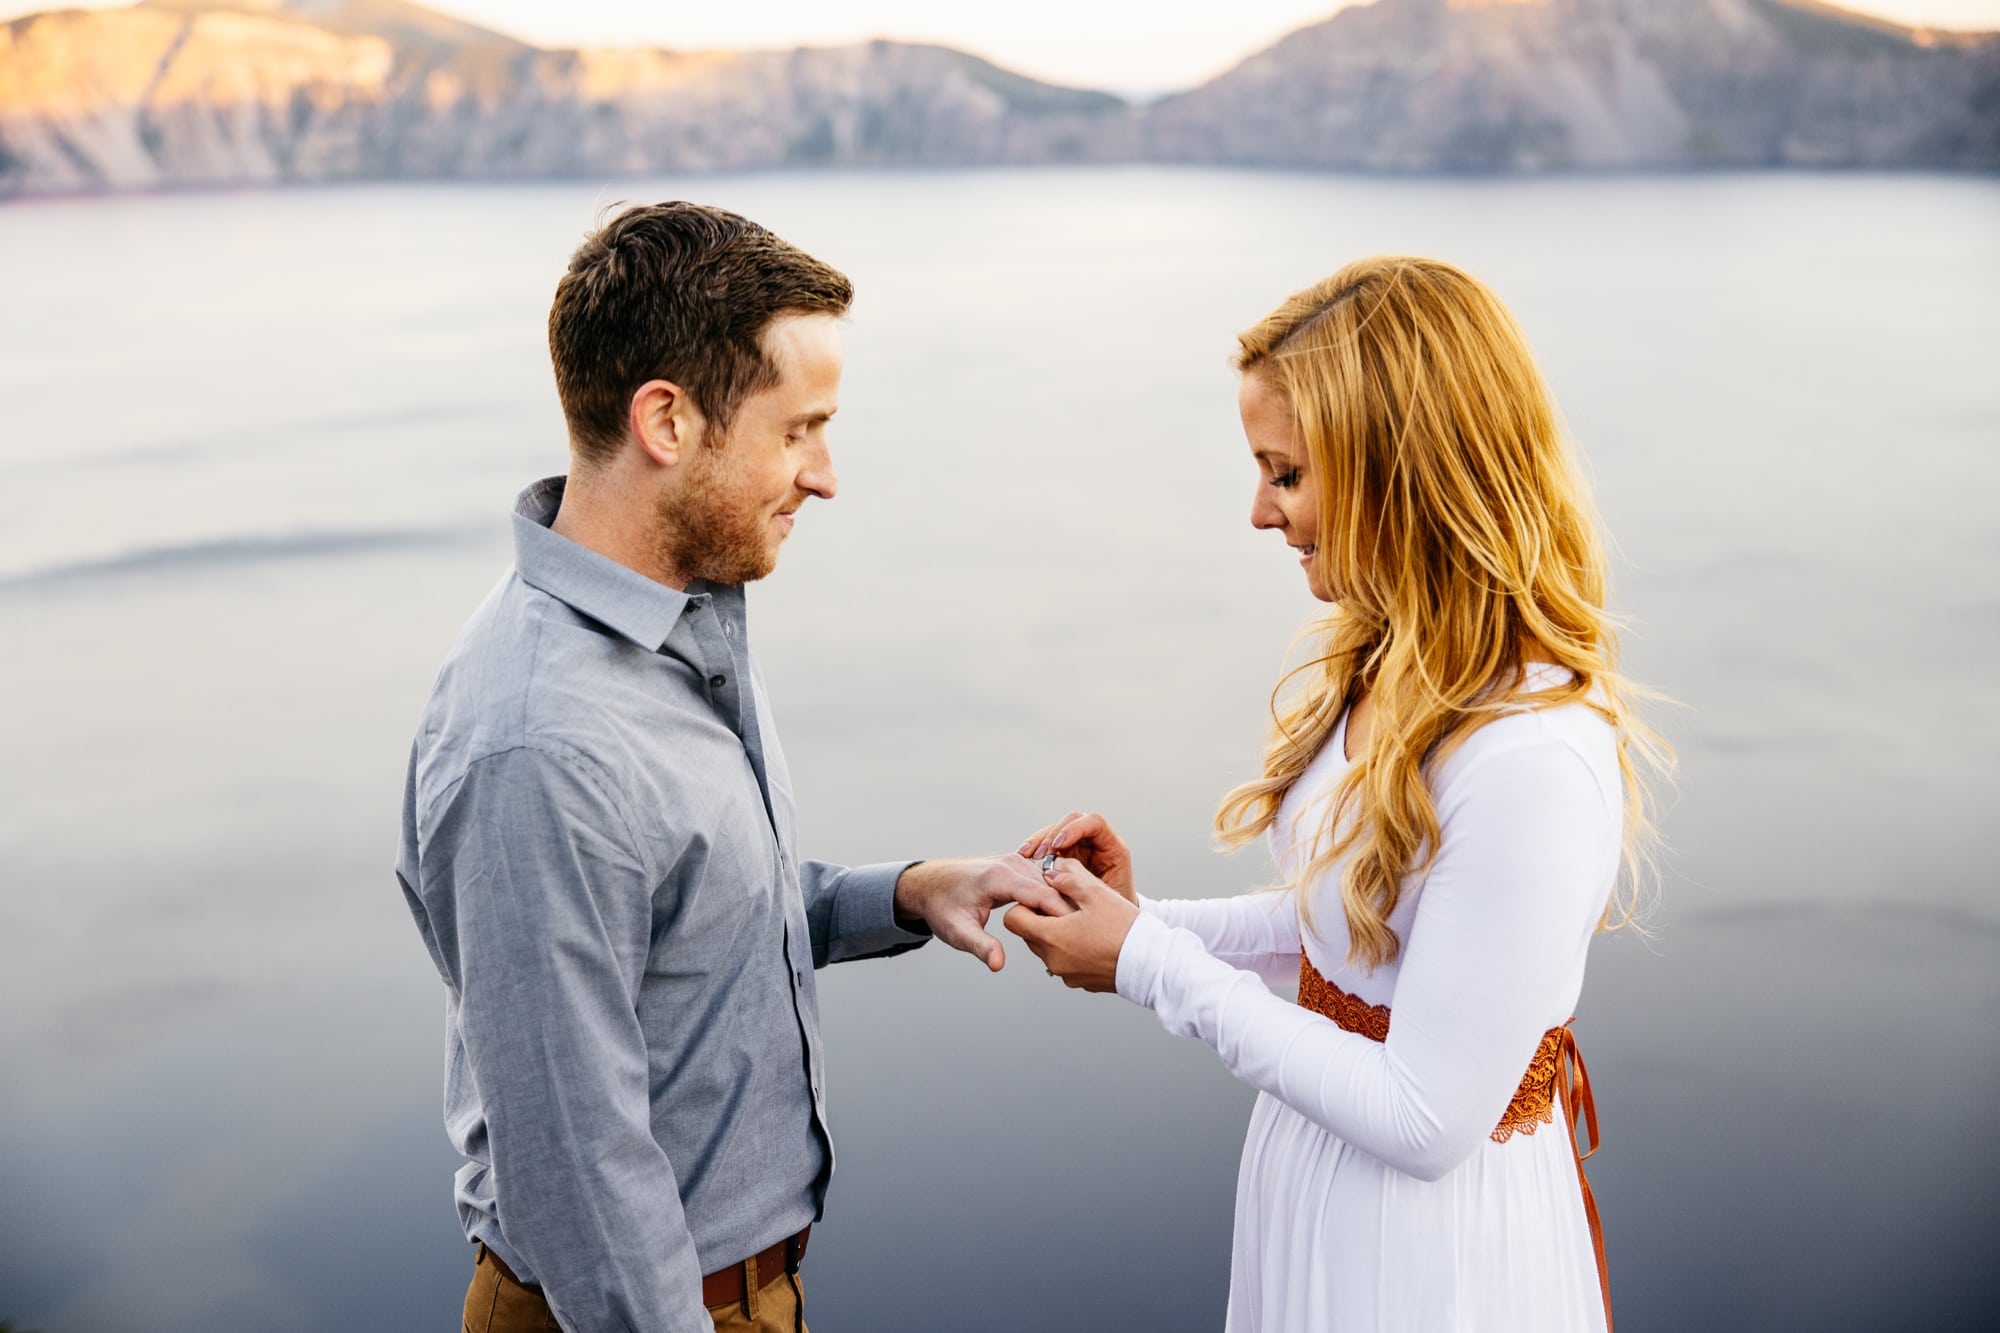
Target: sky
column 1130, row 46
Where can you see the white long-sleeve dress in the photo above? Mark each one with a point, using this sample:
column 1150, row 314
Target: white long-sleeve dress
column 1372, row 1197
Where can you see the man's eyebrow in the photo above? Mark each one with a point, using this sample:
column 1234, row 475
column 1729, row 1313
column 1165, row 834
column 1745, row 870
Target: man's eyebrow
column 813, row 418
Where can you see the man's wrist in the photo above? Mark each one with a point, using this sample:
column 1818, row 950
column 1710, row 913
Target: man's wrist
column 908, row 899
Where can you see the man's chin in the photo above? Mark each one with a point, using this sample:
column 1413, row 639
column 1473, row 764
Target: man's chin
column 752, row 570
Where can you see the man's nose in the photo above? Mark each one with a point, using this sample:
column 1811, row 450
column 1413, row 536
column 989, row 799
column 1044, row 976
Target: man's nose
column 817, row 477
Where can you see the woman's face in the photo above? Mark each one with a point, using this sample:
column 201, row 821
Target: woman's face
column 1287, row 499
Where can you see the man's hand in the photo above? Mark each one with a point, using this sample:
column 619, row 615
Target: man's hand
column 1081, row 947
column 1090, row 839
column 954, row 898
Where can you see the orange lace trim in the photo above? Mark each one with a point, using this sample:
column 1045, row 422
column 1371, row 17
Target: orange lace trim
column 1555, row 1073
column 1534, row 1101
column 1350, row 1011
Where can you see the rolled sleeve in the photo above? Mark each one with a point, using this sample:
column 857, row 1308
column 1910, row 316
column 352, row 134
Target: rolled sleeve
column 852, row 911
column 537, row 867
column 1141, row 958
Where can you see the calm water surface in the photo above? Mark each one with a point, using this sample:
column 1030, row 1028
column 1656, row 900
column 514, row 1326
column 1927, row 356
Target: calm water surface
column 257, row 453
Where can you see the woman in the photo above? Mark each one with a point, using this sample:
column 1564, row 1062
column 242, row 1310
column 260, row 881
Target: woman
column 1449, row 797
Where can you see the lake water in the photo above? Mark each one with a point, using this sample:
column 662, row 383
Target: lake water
column 257, row 453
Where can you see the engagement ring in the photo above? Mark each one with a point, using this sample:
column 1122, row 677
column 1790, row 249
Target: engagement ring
column 1048, row 863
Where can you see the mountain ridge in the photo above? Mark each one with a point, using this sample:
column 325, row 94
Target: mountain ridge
column 171, row 93
column 1540, row 84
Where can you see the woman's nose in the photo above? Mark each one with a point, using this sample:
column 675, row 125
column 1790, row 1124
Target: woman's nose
column 1263, row 513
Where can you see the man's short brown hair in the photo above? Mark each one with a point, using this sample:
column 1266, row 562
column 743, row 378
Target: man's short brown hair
column 678, row 292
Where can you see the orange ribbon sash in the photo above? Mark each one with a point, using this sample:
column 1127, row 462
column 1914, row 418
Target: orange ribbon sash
column 1556, row 1075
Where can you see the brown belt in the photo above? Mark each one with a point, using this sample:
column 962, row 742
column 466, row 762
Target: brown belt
column 727, row 1287
column 1555, row 1077
column 732, row 1284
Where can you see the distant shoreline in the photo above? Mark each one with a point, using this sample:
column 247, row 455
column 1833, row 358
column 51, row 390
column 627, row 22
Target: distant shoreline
column 202, row 189
column 177, row 94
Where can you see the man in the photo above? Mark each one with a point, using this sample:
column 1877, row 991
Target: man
column 598, row 832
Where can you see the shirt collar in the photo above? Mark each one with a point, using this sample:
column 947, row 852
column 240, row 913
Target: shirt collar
column 641, row 609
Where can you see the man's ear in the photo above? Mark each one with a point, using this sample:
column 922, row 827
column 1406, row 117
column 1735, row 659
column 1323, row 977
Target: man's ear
column 665, row 421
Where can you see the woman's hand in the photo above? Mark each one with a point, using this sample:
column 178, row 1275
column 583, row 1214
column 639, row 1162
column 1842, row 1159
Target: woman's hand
column 1090, row 839
column 1082, row 948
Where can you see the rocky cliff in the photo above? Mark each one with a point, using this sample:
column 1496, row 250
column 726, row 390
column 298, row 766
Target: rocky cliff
column 176, row 92
column 1527, row 84
column 182, row 92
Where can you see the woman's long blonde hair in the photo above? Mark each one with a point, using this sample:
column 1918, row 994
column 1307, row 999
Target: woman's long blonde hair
column 1459, row 543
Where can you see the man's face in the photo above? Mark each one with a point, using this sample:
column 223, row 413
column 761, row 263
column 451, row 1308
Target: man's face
column 725, row 519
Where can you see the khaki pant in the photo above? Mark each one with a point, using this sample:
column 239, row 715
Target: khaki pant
column 496, row 1303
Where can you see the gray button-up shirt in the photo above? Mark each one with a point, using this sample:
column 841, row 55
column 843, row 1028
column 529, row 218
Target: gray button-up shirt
column 598, row 847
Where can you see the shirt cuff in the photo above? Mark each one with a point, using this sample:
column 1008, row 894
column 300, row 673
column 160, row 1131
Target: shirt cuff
column 865, row 912
column 1142, row 958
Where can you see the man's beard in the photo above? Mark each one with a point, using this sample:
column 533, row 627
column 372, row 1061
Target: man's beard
column 706, row 532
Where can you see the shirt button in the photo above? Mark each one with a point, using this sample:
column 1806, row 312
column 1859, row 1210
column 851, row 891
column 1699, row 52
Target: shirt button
column 718, row 681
